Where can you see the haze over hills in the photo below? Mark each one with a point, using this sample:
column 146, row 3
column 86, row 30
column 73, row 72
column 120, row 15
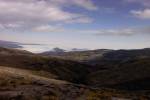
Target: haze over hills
column 36, row 48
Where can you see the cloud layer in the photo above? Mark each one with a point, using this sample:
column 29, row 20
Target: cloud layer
column 46, row 15
column 145, row 3
column 117, row 32
column 121, row 32
column 29, row 14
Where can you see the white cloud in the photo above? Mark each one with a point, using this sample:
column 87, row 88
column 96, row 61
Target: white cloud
column 48, row 28
column 125, row 31
column 86, row 4
column 121, row 31
column 145, row 3
column 28, row 14
column 116, row 32
column 143, row 14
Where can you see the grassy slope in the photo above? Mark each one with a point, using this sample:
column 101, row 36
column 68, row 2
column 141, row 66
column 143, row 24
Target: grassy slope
column 62, row 69
column 20, row 84
column 131, row 74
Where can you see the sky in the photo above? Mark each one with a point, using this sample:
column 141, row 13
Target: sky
column 91, row 24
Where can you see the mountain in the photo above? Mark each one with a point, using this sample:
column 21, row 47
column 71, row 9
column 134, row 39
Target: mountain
column 58, row 50
column 54, row 51
column 121, row 56
column 99, row 75
column 117, row 58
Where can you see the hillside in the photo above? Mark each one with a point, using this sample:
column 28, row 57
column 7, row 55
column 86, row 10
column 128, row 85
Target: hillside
column 20, row 84
column 121, row 73
column 127, row 69
column 96, row 57
column 118, row 56
column 123, row 69
column 63, row 69
column 131, row 75
column 80, row 56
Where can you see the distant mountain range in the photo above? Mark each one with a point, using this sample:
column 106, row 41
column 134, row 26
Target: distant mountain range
column 80, row 56
column 29, row 46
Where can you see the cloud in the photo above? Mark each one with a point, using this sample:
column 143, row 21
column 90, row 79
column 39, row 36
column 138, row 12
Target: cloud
column 48, row 28
column 125, row 31
column 29, row 14
column 145, row 3
column 143, row 14
column 86, row 4
column 117, row 32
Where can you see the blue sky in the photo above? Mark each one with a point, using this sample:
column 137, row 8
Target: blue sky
column 92, row 24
